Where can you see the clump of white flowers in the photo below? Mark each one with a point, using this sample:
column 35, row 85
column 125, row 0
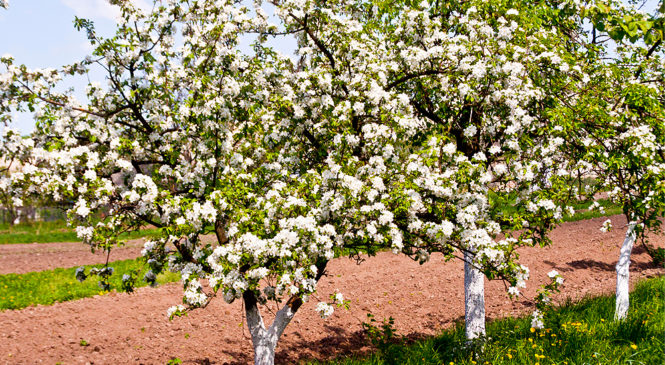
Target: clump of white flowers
column 175, row 310
column 324, row 310
column 554, row 275
column 537, row 320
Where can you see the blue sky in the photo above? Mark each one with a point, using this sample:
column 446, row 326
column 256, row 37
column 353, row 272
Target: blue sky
column 40, row 33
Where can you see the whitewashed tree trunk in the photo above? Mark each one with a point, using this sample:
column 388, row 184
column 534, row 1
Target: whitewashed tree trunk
column 623, row 274
column 474, row 299
column 265, row 340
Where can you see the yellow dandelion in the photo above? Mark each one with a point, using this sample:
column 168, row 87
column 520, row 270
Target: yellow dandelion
column 532, row 330
column 633, row 346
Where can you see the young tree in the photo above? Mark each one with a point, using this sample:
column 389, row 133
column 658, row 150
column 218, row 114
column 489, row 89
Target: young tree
column 13, row 195
column 614, row 125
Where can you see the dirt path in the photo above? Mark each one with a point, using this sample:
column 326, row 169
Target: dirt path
column 22, row 258
column 122, row 328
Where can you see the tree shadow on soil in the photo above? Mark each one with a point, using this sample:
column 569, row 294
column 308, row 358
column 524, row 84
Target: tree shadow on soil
column 338, row 341
column 596, row 265
column 204, row 361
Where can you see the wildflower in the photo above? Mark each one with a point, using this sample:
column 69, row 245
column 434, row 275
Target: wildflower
column 339, row 298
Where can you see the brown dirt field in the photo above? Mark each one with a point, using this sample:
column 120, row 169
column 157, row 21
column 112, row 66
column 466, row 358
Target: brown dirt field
column 124, row 328
column 22, row 258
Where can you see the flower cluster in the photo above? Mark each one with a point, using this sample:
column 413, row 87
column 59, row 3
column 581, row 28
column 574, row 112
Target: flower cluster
column 543, row 300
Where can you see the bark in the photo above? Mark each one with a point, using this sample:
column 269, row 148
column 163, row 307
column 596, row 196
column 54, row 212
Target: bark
column 264, row 340
column 474, row 299
column 623, row 274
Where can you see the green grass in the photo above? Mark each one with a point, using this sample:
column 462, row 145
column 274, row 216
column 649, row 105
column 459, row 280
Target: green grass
column 582, row 211
column 47, row 232
column 575, row 333
column 59, row 285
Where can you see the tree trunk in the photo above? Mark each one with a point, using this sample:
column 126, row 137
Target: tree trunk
column 264, row 352
column 623, row 274
column 474, row 299
column 264, row 346
column 265, row 340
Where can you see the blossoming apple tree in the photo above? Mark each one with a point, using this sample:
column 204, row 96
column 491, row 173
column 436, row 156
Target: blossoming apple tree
column 193, row 137
column 188, row 136
column 486, row 173
column 615, row 123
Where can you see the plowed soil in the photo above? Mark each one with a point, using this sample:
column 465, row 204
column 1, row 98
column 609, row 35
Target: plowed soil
column 133, row 329
column 22, row 258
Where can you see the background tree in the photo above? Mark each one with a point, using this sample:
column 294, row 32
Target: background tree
column 485, row 167
column 614, row 124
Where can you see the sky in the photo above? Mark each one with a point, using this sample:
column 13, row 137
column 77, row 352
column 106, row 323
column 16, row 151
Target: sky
column 41, row 33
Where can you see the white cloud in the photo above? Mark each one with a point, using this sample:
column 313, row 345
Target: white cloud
column 96, row 9
column 92, row 9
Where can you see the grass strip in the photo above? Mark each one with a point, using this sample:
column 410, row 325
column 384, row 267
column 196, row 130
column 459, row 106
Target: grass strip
column 581, row 332
column 51, row 286
column 52, row 237
column 49, row 232
column 582, row 211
